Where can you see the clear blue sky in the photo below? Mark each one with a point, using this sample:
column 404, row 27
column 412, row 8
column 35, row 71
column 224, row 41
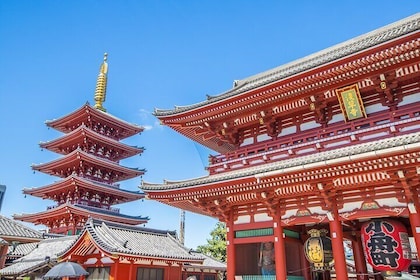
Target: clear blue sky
column 161, row 54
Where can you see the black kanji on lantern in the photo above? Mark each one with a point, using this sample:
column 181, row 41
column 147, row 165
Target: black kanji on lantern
column 381, row 244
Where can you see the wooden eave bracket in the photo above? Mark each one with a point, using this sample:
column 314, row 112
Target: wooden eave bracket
column 325, row 196
column 408, row 185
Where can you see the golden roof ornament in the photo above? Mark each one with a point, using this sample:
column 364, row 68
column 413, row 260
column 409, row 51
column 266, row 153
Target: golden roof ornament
column 100, row 92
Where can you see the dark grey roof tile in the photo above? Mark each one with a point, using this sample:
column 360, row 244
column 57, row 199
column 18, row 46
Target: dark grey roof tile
column 138, row 241
column 20, row 250
column 11, row 228
column 44, row 253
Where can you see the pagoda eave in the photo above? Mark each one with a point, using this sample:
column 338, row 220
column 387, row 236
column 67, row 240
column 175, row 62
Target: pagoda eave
column 70, row 211
column 85, row 113
column 71, row 141
column 78, row 184
column 70, row 163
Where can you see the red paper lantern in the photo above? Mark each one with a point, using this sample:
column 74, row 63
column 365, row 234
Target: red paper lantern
column 386, row 245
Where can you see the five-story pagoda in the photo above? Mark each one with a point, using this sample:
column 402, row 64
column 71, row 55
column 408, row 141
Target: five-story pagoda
column 89, row 168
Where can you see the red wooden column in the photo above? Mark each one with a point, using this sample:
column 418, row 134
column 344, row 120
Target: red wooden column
column 306, row 265
column 359, row 258
column 231, row 263
column 336, row 233
column 168, row 275
column 414, row 217
column 410, row 189
column 3, row 253
column 115, row 268
column 130, row 273
column 279, row 248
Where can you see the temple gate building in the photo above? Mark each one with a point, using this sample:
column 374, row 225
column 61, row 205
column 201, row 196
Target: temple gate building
column 89, row 168
column 328, row 142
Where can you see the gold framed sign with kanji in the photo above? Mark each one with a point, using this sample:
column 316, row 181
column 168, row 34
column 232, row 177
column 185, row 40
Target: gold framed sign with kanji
column 351, row 103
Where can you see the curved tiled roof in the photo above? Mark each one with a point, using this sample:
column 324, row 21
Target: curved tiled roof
column 20, row 250
column 209, row 262
column 10, row 228
column 138, row 241
column 352, row 46
column 302, row 162
column 82, row 210
column 79, row 155
column 84, row 132
column 110, row 213
column 75, row 181
column 101, row 114
column 45, row 253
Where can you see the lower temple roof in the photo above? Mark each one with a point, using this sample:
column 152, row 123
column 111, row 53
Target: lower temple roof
column 10, row 229
column 44, row 254
column 349, row 153
column 118, row 239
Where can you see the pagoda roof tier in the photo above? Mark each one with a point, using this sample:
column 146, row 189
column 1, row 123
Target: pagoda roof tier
column 68, row 211
column 270, row 95
column 79, row 161
column 91, row 116
column 230, row 185
column 76, row 184
column 84, row 137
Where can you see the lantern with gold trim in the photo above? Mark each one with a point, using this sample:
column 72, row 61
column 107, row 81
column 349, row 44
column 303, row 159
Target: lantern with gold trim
column 318, row 250
column 386, row 245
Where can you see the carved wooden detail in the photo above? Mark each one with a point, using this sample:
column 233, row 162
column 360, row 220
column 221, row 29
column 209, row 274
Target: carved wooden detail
column 387, row 85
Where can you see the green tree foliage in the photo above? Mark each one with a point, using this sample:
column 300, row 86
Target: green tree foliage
column 216, row 244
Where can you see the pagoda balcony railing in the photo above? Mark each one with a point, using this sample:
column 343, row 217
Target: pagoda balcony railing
column 266, row 277
column 94, row 206
column 377, row 126
column 52, row 207
column 107, row 208
column 99, row 205
column 100, row 181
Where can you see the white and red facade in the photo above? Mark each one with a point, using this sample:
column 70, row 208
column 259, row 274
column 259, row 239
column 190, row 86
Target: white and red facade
column 292, row 157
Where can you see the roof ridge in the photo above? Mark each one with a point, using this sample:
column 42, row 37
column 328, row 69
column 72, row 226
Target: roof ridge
column 108, row 231
column 132, row 228
column 341, row 50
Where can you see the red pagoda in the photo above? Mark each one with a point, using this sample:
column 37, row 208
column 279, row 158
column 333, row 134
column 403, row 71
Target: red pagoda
column 89, row 168
column 310, row 154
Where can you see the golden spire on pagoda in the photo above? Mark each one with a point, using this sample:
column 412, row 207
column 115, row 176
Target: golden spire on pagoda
column 100, row 92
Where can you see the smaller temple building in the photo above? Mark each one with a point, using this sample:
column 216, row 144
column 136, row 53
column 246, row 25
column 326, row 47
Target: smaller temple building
column 115, row 251
column 111, row 251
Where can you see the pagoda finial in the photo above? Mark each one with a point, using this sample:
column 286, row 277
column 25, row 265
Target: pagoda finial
column 100, row 92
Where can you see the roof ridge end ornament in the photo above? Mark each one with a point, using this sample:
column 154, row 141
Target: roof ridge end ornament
column 101, row 83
